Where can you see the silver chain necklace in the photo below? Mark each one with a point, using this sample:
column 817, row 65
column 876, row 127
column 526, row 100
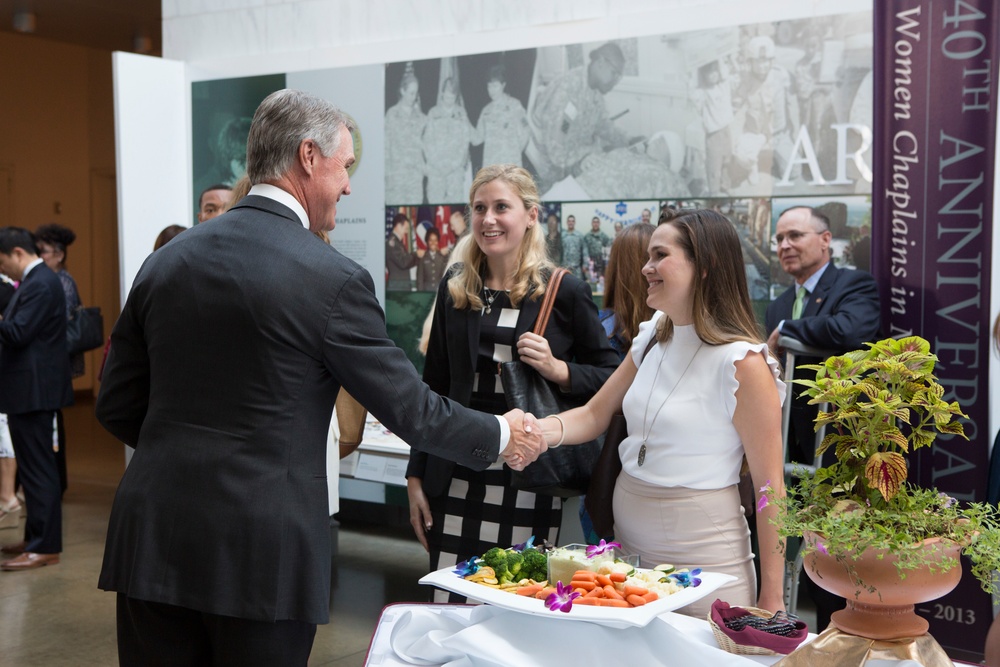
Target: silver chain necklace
column 491, row 296
column 646, row 431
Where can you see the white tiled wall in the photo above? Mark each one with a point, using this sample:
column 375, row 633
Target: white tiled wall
column 239, row 37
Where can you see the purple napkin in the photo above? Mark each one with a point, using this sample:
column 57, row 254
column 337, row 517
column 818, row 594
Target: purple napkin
column 721, row 612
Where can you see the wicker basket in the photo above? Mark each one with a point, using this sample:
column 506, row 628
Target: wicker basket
column 728, row 645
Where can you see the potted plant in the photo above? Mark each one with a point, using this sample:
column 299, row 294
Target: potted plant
column 868, row 534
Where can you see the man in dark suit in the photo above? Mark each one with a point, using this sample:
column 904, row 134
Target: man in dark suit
column 223, row 371
column 34, row 382
column 837, row 310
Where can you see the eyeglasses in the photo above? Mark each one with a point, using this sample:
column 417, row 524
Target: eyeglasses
column 793, row 237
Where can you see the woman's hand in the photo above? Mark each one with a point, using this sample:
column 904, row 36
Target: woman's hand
column 534, row 350
column 420, row 510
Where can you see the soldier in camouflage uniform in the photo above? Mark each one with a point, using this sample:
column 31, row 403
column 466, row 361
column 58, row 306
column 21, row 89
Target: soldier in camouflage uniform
column 597, row 241
column 404, row 157
column 569, row 119
column 446, row 148
column 503, row 124
column 572, row 248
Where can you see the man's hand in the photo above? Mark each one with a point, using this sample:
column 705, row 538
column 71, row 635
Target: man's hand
column 526, row 441
column 772, row 343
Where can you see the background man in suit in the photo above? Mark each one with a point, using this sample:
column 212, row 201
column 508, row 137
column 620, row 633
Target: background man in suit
column 34, row 383
column 223, row 371
column 213, row 200
column 837, row 310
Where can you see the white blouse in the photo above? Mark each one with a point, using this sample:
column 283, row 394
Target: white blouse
column 681, row 404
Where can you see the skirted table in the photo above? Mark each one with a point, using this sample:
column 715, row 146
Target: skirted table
column 483, row 635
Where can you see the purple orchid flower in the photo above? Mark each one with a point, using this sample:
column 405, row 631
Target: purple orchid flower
column 562, row 599
column 687, row 579
column 601, row 548
column 820, row 547
column 467, row 567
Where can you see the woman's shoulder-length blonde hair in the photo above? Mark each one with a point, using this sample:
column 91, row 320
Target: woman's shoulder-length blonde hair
column 533, row 263
column 722, row 311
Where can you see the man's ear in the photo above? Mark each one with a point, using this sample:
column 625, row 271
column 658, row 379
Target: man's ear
column 307, row 154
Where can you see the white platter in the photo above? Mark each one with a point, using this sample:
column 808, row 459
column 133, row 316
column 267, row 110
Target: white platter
column 610, row 616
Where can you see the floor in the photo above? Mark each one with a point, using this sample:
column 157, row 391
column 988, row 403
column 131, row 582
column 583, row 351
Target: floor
column 55, row 616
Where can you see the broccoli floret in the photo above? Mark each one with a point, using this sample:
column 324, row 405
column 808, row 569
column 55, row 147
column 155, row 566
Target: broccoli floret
column 497, row 559
column 536, row 565
column 515, row 562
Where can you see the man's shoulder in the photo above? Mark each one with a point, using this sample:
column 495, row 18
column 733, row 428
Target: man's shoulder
column 838, row 277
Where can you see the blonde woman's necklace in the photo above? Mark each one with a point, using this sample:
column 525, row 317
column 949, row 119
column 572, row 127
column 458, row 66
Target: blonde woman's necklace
column 491, row 296
column 647, row 430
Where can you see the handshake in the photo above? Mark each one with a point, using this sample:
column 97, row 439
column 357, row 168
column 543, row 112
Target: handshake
column 526, row 440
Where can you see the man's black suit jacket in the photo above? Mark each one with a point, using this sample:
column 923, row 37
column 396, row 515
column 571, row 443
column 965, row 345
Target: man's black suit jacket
column 841, row 314
column 223, row 371
column 34, row 362
column 575, row 335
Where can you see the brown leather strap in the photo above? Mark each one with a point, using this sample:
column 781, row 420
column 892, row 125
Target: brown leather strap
column 550, row 299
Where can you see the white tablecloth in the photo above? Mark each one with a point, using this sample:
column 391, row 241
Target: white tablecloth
column 485, row 636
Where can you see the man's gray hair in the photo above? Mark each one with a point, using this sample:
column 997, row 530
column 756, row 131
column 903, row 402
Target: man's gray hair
column 281, row 123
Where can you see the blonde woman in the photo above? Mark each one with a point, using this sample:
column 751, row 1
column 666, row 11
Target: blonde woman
column 484, row 310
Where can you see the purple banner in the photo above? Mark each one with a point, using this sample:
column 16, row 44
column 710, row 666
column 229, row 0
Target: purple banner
column 932, row 203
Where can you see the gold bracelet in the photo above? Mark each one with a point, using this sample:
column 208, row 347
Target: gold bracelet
column 562, row 436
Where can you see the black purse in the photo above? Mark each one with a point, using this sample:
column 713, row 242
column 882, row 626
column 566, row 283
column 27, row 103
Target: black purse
column 561, row 471
column 84, row 330
column 601, row 491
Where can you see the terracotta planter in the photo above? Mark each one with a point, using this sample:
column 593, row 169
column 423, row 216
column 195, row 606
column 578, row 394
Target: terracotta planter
column 880, row 603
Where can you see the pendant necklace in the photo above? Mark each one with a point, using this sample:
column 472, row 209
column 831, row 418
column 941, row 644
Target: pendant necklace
column 646, row 431
column 490, row 298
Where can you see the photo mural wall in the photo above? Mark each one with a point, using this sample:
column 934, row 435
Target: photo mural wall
column 748, row 119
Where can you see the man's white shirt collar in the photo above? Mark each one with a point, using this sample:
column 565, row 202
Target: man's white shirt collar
column 813, row 280
column 29, row 268
column 282, row 197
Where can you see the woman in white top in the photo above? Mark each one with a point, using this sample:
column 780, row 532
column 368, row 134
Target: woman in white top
column 705, row 395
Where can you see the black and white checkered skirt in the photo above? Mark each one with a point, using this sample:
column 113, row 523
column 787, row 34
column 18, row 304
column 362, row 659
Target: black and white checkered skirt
column 482, row 510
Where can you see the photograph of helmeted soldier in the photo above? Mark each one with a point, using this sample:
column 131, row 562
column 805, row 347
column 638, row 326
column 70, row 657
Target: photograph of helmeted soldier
column 446, row 140
column 405, row 121
column 502, row 127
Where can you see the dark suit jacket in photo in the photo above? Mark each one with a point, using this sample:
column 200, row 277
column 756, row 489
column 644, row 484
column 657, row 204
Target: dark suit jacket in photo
column 223, row 371
column 575, row 335
column 841, row 314
column 34, row 361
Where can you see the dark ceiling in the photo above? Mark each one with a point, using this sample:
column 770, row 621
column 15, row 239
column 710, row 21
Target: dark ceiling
column 113, row 25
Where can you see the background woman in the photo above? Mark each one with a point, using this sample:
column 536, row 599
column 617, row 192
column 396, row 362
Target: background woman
column 706, row 395
column 10, row 505
column 624, row 310
column 485, row 307
column 53, row 240
column 625, row 306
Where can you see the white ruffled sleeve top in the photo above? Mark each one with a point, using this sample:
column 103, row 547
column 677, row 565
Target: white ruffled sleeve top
column 686, row 422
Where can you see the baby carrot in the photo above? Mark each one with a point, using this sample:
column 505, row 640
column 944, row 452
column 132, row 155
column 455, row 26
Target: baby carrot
column 612, row 592
column 596, row 593
column 603, row 580
column 634, row 590
column 585, row 575
column 608, row 602
column 635, row 600
column 618, row 577
column 545, row 592
column 588, row 601
column 529, row 590
column 651, row 596
column 585, row 585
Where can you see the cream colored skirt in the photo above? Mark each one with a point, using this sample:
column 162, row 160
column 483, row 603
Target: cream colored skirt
column 688, row 528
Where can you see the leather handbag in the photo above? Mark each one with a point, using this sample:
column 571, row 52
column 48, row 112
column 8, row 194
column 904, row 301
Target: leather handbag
column 560, row 471
column 601, row 491
column 84, row 330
